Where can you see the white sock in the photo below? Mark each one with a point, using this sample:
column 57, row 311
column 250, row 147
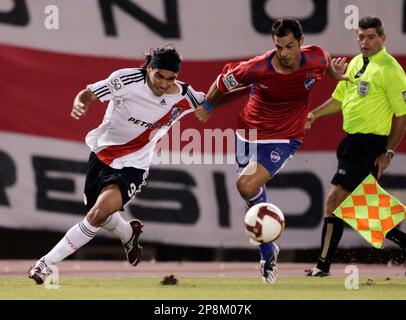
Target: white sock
column 119, row 227
column 77, row 236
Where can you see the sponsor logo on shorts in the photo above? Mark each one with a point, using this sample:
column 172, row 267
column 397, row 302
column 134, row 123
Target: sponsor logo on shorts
column 342, row 171
column 275, row 156
column 363, row 88
column 132, row 190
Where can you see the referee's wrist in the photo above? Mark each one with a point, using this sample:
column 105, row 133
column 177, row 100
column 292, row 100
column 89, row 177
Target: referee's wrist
column 389, row 153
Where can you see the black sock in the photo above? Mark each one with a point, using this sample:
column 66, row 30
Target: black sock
column 398, row 237
column 330, row 237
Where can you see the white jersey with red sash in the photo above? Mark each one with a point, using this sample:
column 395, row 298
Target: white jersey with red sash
column 135, row 118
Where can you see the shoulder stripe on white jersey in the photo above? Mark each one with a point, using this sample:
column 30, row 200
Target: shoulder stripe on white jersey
column 101, row 92
column 101, row 95
column 138, row 78
column 132, row 75
column 132, row 81
column 100, row 89
column 137, row 75
column 192, row 98
column 132, row 78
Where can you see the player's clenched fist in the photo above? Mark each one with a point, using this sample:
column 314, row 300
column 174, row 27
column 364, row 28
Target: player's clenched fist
column 202, row 114
column 79, row 109
column 81, row 103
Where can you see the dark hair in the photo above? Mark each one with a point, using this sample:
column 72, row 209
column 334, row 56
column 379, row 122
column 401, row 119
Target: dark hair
column 371, row 22
column 282, row 27
column 167, row 54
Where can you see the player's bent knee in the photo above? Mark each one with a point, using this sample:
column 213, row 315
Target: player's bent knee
column 245, row 189
column 334, row 199
column 97, row 216
column 331, row 204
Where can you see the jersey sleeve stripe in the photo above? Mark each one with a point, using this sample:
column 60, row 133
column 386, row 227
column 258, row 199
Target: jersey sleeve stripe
column 100, row 90
column 131, row 75
column 220, row 85
column 102, row 93
column 128, row 81
column 192, row 99
column 138, row 76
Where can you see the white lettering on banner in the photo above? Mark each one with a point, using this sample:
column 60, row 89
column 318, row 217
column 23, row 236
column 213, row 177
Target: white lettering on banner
column 351, row 21
column 195, row 205
column 52, row 20
column 107, row 28
column 215, row 146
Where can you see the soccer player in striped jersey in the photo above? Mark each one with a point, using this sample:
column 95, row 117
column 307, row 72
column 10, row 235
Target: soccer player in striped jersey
column 279, row 83
column 143, row 104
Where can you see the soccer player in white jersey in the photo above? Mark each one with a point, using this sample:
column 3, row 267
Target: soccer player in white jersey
column 143, row 104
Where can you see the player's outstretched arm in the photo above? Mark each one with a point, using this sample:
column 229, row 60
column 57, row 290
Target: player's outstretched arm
column 215, row 99
column 331, row 106
column 213, row 96
column 81, row 103
column 234, row 95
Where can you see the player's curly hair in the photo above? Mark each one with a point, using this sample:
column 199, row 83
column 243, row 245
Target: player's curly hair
column 168, row 52
column 282, row 27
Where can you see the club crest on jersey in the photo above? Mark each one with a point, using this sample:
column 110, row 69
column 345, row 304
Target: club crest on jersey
column 363, row 88
column 308, row 83
column 404, row 96
column 176, row 111
column 275, row 156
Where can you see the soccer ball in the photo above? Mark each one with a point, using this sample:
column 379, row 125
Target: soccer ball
column 264, row 222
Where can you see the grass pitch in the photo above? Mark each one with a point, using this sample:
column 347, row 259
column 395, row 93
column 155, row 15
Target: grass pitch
column 200, row 288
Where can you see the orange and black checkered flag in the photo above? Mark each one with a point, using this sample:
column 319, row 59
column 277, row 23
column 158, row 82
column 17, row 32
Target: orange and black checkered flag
column 371, row 211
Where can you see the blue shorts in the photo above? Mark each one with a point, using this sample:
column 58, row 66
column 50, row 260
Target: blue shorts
column 272, row 156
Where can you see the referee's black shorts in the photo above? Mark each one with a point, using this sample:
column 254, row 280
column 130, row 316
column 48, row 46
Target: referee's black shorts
column 356, row 155
column 99, row 175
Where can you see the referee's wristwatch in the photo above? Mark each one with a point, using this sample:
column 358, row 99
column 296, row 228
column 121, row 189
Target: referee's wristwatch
column 389, row 153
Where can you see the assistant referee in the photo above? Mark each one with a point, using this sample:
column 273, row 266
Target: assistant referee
column 373, row 105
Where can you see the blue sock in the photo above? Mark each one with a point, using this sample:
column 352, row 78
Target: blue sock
column 259, row 197
column 266, row 250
